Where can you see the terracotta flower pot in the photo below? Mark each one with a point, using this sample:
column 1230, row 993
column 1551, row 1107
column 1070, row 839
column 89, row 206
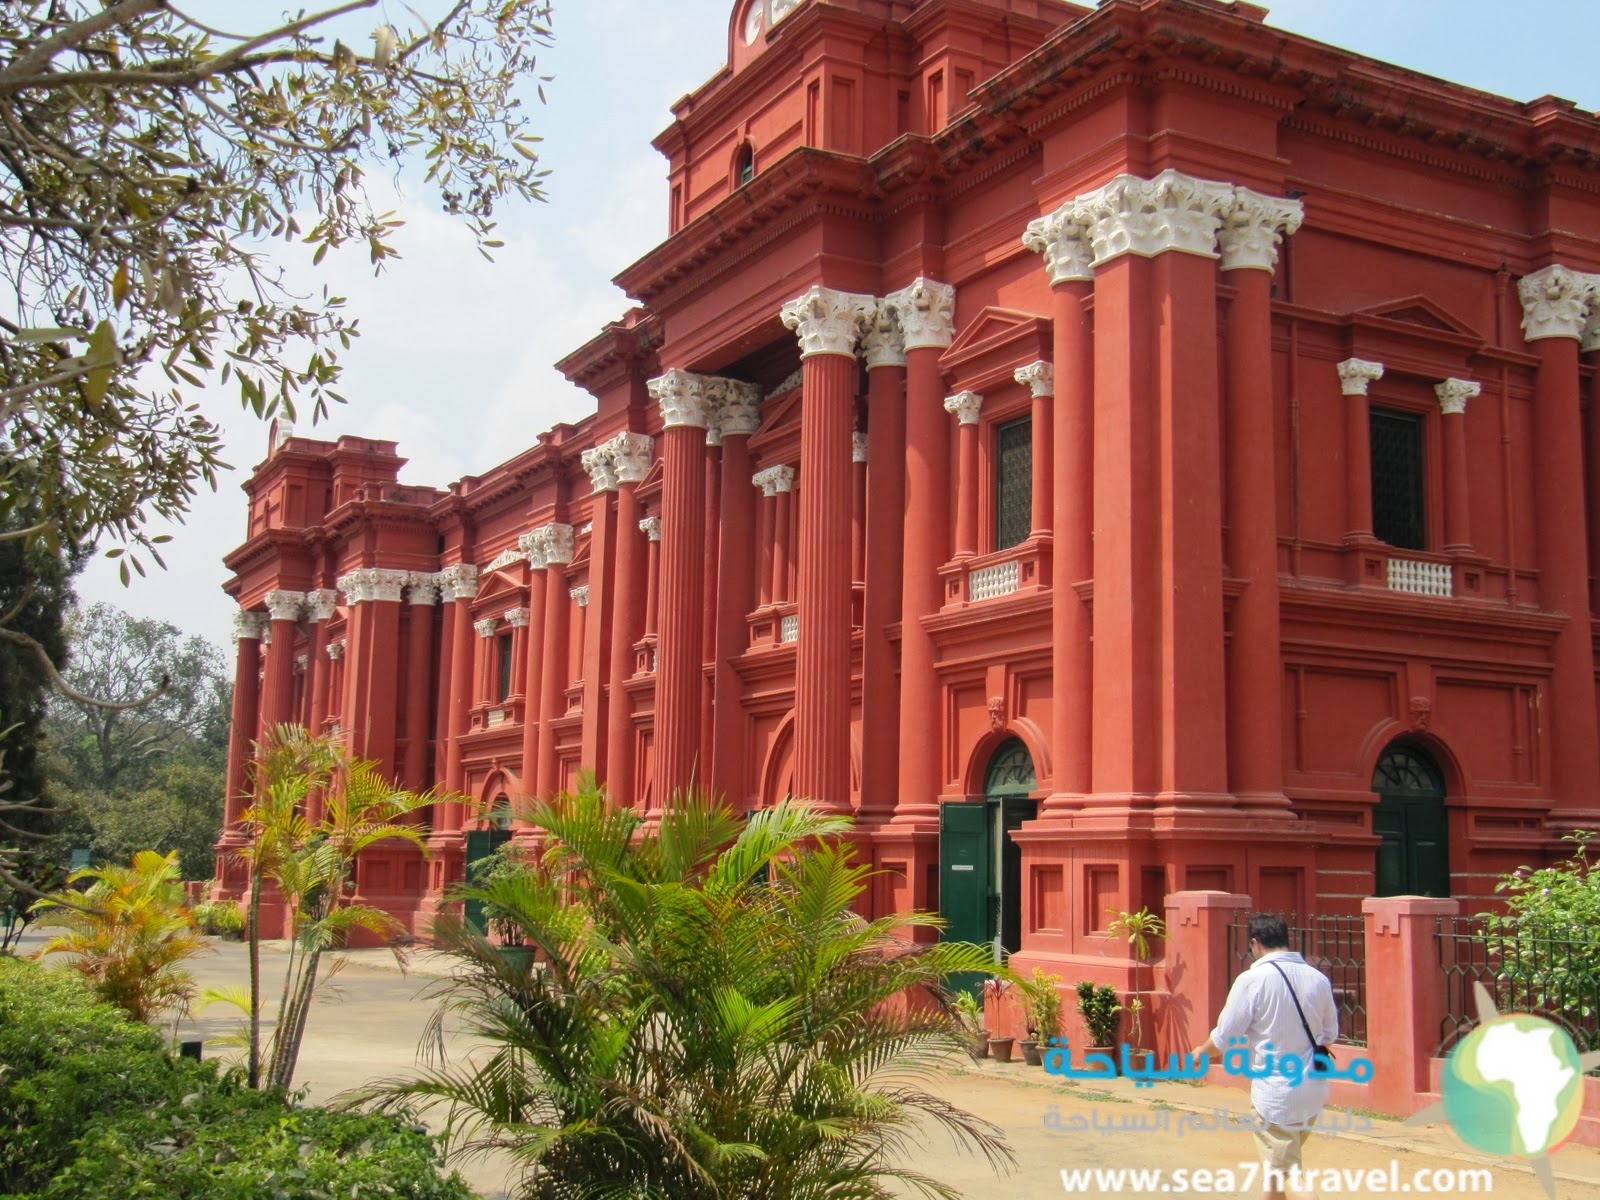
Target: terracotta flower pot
column 1000, row 1048
column 1031, row 1052
column 980, row 1043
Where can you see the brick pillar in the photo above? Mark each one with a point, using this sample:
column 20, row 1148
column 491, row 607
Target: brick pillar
column 1405, row 996
column 739, row 417
column 1555, row 304
column 883, row 347
column 631, row 456
column 685, row 410
column 964, row 406
column 423, row 593
column 1063, row 242
column 1355, row 375
column 1196, row 965
column 557, row 543
column 927, row 322
column 1249, row 242
column 1453, row 396
column 828, row 324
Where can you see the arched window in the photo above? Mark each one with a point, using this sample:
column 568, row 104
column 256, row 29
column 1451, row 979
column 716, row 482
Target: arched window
column 1413, row 858
column 744, row 165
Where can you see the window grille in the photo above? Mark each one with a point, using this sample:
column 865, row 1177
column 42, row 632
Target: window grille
column 1013, row 483
column 1397, row 515
column 503, row 672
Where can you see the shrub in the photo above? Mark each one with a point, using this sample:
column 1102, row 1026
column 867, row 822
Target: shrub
column 93, row 1106
column 1100, row 1010
column 220, row 918
column 1043, row 1004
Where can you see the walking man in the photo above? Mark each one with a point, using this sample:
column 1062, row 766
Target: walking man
column 1282, row 1006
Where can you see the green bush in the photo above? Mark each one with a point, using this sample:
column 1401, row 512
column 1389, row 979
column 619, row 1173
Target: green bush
column 93, row 1106
column 220, row 918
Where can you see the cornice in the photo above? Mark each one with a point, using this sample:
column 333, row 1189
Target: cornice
column 606, row 358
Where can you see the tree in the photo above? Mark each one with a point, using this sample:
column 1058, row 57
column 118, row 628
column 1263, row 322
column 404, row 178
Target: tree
column 708, row 1017
column 147, row 161
column 130, row 933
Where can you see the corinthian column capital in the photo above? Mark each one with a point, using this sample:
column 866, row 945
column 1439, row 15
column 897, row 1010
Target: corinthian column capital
column 774, row 479
column 651, row 528
column 926, row 310
column 320, row 604
column 1356, row 373
column 1556, row 302
column 737, row 405
column 251, row 625
column 1148, row 217
column 682, row 397
column 1040, row 377
column 1063, row 238
column 1252, row 228
column 828, row 322
column 458, row 582
column 965, row 406
column 285, row 606
column 601, row 470
column 1453, row 395
column 883, row 344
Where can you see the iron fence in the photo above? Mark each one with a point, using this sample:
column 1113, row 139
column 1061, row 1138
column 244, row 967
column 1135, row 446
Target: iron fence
column 1335, row 945
column 1526, row 968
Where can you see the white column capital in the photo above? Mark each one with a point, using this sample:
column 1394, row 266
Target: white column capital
column 1039, row 376
column 828, row 321
column 517, row 618
column 249, row 625
column 1356, row 373
column 965, row 406
column 651, row 528
column 600, row 468
column 1252, row 228
column 423, row 588
column 737, row 405
column 458, row 582
column 682, row 397
column 548, row 545
column 883, row 344
column 858, row 447
column 336, row 650
column 1556, row 302
column 285, row 606
column 320, row 604
column 486, row 627
column 1063, row 238
column 1148, row 217
column 926, row 310
column 1453, row 395
column 373, row 583
column 774, row 479
column 580, row 595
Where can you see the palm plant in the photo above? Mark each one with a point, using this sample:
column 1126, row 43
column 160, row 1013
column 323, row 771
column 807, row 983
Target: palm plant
column 1138, row 928
column 311, row 862
column 710, row 1018
column 130, row 931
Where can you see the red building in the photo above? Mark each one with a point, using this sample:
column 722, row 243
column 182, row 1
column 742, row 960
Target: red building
column 1109, row 451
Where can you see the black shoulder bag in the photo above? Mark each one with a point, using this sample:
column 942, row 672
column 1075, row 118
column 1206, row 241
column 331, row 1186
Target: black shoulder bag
column 1321, row 1056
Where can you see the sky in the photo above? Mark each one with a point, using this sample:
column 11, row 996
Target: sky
column 455, row 361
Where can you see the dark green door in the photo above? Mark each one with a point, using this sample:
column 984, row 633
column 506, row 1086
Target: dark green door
column 964, row 861
column 480, row 844
column 1414, row 855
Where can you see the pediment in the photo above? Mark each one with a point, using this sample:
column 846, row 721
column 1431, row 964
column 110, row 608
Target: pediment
column 993, row 344
column 1424, row 314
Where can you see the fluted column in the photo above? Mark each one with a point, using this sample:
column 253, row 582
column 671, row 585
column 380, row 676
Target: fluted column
column 556, row 542
column 778, row 483
column 248, row 630
column 531, row 547
column 423, row 593
column 651, row 528
column 1249, row 241
column 277, row 689
column 964, row 407
column 444, row 701
column 372, row 660
column 1453, row 396
column 459, row 583
column 1064, row 243
column 926, row 311
column 1556, row 303
column 1588, row 346
column 319, row 608
column 713, row 570
column 485, row 659
column 828, row 324
column 631, row 456
column 1039, row 377
column 766, row 531
column 685, row 411
column 1355, row 375
column 597, row 649
column 858, row 506
column 884, row 351
column 739, row 416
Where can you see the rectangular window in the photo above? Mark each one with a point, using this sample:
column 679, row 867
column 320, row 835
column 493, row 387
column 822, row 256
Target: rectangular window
column 1397, row 514
column 503, row 667
column 1013, row 475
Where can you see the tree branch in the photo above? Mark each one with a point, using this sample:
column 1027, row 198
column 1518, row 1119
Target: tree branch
column 77, row 33
column 66, row 689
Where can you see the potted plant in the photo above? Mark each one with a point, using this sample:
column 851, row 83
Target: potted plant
column 999, row 1047
column 1139, row 928
column 503, row 864
column 1043, row 1004
column 970, row 1013
column 1101, row 1012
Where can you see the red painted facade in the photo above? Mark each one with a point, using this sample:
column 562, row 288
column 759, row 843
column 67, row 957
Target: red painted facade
column 1197, row 255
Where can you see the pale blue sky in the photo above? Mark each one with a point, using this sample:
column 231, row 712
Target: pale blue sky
column 455, row 358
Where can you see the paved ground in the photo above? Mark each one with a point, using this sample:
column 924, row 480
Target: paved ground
column 369, row 1022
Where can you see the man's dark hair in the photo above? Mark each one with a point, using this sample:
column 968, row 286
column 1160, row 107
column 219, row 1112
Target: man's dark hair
column 1270, row 930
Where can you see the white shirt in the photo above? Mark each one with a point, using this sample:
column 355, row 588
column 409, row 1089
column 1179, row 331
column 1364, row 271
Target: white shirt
column 1259, row 1010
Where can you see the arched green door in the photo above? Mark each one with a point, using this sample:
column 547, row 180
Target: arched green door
column 1414, row 856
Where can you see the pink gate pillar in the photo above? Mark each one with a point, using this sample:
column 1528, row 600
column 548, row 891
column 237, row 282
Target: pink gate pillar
column 1403, row 1031
column 1196, row 969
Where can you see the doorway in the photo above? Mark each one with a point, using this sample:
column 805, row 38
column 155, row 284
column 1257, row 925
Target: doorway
column 1414, row 855
column 980, row 864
